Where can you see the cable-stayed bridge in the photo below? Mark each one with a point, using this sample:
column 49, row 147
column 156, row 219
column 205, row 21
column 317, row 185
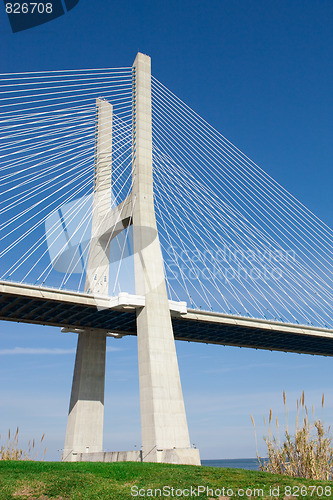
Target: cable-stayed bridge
column 124, row 213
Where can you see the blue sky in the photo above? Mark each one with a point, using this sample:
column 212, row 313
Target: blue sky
column 260, row 72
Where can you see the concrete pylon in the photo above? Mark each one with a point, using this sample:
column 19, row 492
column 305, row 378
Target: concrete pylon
column 84, row 432
column 97, row 275
column 165, row 436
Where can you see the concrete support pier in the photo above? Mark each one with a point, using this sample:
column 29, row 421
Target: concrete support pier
column 165, row 436
column 86, row 410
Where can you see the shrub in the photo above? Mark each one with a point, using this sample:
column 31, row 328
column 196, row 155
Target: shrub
column 12, row 451
column 306, row 453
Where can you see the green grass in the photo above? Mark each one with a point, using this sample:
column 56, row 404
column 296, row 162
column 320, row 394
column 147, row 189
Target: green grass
column 90, row 481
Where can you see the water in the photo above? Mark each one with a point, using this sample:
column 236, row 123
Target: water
column 235, row 463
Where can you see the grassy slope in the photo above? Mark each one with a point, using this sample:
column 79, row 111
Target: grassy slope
column 64, row 481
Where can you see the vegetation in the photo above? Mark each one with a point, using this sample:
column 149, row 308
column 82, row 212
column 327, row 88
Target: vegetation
column 307, row 453
column 12, row 451
column 114, row 481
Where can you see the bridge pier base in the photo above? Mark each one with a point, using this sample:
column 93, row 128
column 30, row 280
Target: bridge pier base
column 86, row 410
column 187, row 456
column 179, row 456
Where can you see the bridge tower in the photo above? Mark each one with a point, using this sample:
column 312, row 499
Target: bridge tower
column 86, row 409
column 165, row 436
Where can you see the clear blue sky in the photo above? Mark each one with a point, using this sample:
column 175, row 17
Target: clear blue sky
column 261, row 73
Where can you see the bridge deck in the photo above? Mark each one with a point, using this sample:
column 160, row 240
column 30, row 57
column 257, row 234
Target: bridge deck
column 45, row 306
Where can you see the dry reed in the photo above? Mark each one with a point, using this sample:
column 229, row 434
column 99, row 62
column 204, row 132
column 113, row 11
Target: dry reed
column 11, row 450
column 307, row 453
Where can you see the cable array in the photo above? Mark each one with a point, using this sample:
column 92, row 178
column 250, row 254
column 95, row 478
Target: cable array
column 47, row 155
column 233, row 239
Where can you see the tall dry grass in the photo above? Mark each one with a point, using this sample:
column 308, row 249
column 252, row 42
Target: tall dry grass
column 307, row 452
column 11, row 449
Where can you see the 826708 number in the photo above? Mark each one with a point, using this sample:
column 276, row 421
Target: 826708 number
column 29, row 8
column 311, row 490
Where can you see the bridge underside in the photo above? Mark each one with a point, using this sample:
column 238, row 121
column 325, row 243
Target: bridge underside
column 76, row 311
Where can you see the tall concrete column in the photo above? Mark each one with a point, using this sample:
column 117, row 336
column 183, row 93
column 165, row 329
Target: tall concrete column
column 84, row 432
column 165, row 436
column 86, row 410
column 97, row 276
